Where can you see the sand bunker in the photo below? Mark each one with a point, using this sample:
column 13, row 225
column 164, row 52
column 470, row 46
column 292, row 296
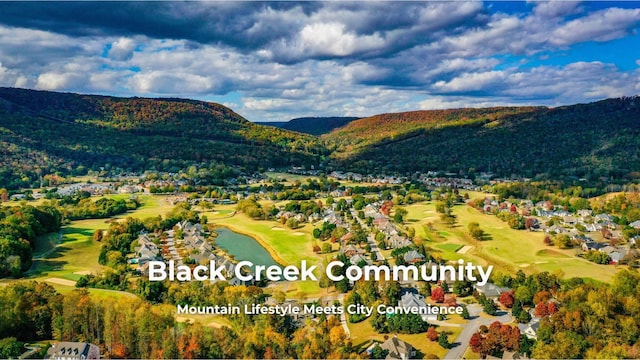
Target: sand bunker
column 59, row 281
column 298, row 233
column 464, row 249
column 85, row 272
column 277, row 228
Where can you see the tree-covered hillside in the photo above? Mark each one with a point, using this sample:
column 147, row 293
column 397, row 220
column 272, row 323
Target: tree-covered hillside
column 585, row 140
column 45, row 133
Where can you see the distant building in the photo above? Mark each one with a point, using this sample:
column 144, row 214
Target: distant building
column 490, row 290
column 73, row 350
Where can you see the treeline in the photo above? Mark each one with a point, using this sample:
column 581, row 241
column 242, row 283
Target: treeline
column 82, row 206
column 132, row 328
column 19, row 228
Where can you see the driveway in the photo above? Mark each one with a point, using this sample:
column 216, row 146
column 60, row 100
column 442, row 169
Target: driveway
column 461, row 343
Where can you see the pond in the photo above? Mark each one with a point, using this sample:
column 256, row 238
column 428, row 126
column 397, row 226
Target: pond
column 243, row 247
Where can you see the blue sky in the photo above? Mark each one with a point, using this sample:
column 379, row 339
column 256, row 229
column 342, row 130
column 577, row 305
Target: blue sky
column 273, row 61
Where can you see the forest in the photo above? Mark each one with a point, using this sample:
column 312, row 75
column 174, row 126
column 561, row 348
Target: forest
column 44, row 134
column 589, row 141
column 132, row 328
column 19, row 228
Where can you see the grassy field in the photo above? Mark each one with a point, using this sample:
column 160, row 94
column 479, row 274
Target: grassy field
column 288, row 246
column 508, row 250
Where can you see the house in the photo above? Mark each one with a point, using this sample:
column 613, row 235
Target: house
column 351, row 251
column 490, row 290
column 584, row 213
column 412, row 257
column 398, row 349
column 592, row 245
column 396, row 241
column 73, row 350
column 412, row 300
column 530, row 329
column 569, row 221
column 604, row 217
column 635, row 224
column 358, row 259
column 615, row 253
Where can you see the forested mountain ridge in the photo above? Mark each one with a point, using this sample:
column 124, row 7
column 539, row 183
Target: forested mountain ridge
column 584, row 140
column 313, row 125
column 46, row 132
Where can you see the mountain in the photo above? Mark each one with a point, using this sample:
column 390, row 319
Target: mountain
column 584, row 140
column 313, row 125
column 44, row 134
column 62, row 133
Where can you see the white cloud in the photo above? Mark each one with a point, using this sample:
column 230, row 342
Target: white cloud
column 471, row 82
column 59, row 81
column 603, row 25
column 171, row 83
column 122, row 49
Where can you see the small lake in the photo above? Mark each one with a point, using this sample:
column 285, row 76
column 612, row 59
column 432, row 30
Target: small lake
column 243, row 247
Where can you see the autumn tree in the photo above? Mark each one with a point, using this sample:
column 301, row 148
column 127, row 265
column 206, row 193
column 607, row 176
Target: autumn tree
column 437, row 294
column 432, row 334
column 506, row 299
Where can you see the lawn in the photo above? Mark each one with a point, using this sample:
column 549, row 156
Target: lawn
column 362, row 334
column 508, row 250
column 452, row 248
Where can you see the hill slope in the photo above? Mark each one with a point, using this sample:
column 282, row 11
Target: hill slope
column 600, row 138
column 47, row 132
column 313, row 125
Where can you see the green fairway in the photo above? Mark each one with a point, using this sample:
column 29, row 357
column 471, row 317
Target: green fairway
column 449, row 247
column 508, row 250
column 287, row 246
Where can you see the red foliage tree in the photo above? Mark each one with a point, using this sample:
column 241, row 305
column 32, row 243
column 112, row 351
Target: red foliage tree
column 552, row 308
column 437, row 294
column 547, row 240
column 529, row 222
column 476, row 342
column 513, row 209
column 432, row 334
column 450, row 300
column 507, row 299
column 497, row 337
column 541, row 309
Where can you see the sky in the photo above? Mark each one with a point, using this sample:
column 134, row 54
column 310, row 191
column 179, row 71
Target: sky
column 274, row 61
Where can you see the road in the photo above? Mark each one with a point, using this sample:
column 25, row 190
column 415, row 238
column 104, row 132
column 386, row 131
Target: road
column 374, row 248
column 372, row 242
column 462, row 341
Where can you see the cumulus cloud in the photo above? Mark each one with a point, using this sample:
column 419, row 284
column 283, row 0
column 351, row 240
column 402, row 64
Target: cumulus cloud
column 600, row 26
column 122, row 49
column 291, row 59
